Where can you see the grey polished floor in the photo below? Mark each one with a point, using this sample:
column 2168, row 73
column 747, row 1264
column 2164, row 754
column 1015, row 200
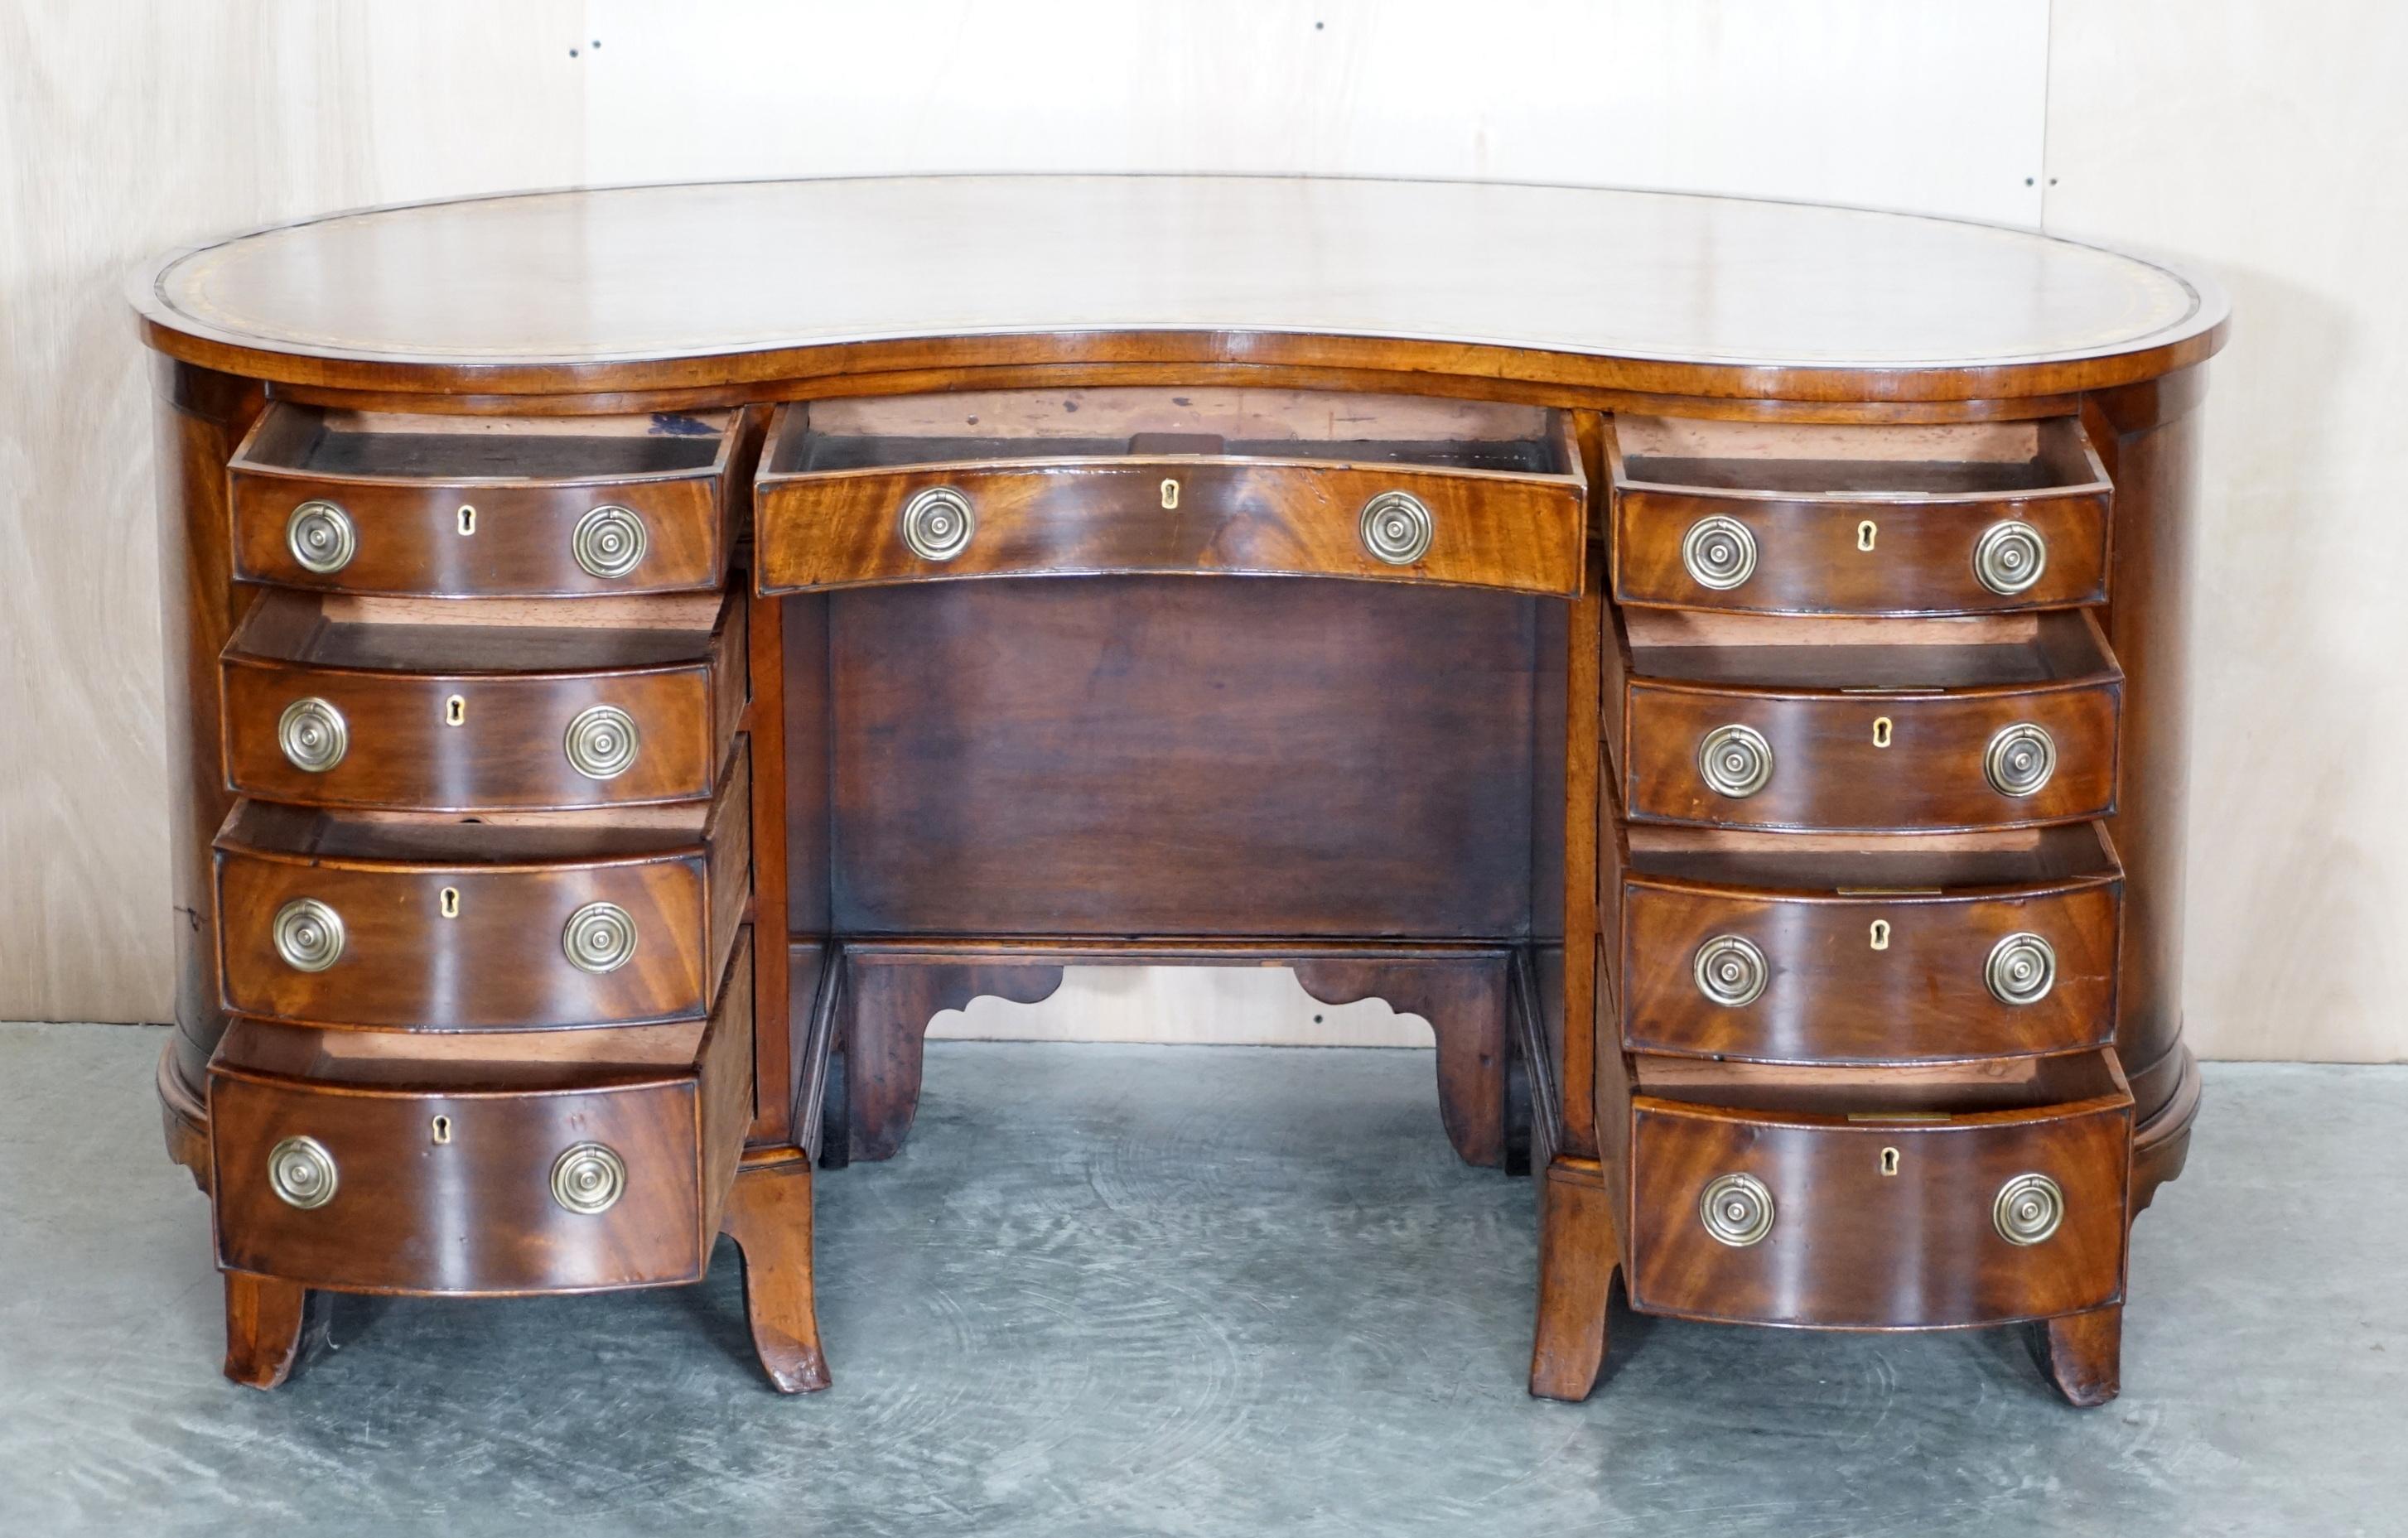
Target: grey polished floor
column 1115, row 1289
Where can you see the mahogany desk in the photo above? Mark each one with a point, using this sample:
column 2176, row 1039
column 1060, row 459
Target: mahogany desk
column 639, row 655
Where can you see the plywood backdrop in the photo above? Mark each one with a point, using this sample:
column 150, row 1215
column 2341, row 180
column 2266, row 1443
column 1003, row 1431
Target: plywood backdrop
column 2246, row 136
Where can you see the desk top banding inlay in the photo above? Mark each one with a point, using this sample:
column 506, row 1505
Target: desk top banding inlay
column 723, row 283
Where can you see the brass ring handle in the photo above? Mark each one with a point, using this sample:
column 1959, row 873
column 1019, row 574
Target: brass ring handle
column 2009, row 557
column 2021, row 970
column 1735, row 760
column 602, row 742
column 599, row 938
column 302, row 1173
column 1719, row 552
column 307, row 934
column 312, row 735
column 588, row 1179
column 1737, row 1210
column 1396, row 528
column 1731, row 970
column 939, row 522
column 2019, row 760
column 2028, row 1209
column 320, row 537
column 609, row 542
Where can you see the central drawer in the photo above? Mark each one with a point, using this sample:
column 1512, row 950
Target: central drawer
column 1155, row 482
column 416, row 707
column 1897, row 1199
column 387, row 1162
column 500, row 922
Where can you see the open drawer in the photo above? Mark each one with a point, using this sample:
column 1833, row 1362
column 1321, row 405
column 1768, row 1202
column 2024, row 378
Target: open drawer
column 1809, row 949
column 505, row 921
column 563, row 1162
column 408, row 705
column 1862, row 725
column 1152, row 481
column 1774, row 518
column 1879, row 1200
column 482, row 507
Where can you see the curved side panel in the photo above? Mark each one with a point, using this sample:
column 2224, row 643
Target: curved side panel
column 198, row 418
column 2156, row 447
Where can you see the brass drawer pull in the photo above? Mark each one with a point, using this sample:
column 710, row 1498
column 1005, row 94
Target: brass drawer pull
column 938, row 524
column 302, row 1173
column 602, row 742
column 588, row 1179
column 320, row 537
column 1731, row 971
column 2028, row 1209
column 599, row 938
column 313, row 735
column 2021, row 970
column 308, row 935
column 1396, row 528
column 609, row 541
column 2009, row 557
column 1719, row 552
column 2019, row 760
column 1737, row 1210
column 1736, row 760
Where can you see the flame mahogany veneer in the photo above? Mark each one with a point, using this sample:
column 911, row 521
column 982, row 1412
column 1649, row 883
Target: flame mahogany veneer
column 1719, row 663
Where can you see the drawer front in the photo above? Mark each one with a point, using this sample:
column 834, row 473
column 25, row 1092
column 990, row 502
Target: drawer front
column 1818, row 978
column 1174, row 517
column 472, row 1208
column 1842, row 761
column 436, row 539
column 583, row 938
column 1682, row 550
column 490, row 740
column 1852, row 1246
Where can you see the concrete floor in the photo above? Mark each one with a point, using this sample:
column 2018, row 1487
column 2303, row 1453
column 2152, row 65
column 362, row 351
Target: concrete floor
column 1124, row 1289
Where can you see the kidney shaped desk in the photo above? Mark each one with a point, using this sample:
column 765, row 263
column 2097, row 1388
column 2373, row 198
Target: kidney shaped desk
column 638, row 655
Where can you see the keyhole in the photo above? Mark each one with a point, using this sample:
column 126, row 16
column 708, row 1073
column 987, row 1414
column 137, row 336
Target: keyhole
column 1865, row 532
column 1881, row 935
column 1889, row 1161
column 450, row 903
column 468, row 519
column 442, row 1130
column 1169, row 493
column 1881, row 731
column 455, row 711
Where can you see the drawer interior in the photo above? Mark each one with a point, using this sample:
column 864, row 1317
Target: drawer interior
column 1017, row 425
column 1899, row 1094
column 396, row 445
column 1854, row 464
column 1848, row 865
column 477, row 635
column 1865, row 656
column 497, row 838
column 456, row 1064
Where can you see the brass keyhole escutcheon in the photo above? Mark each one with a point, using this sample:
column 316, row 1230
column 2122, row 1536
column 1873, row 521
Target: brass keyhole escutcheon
column 1889, row 1161
column 468, row 519
column 450, row 903
column 1881, row 935
column 455, row 711
column 1865, row 532
column 442, row 1131
column 1881, row 731
column 1169, row 493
